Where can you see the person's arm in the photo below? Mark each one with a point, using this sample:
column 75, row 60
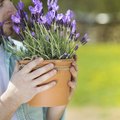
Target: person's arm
column 23, row 86
column 8, row 106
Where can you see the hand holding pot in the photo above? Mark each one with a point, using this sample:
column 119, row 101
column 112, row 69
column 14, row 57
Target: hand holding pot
column 73, row 82
column 23, row 85
column 56, row 112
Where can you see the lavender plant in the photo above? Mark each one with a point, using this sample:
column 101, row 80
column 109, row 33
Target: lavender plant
column 50, row 35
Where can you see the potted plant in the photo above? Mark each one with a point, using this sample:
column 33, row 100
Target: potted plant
column 53, row 37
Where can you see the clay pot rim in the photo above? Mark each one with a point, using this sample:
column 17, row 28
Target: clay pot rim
column 52, row 60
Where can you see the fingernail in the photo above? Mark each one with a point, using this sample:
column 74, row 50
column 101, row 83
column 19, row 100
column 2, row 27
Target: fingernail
column 53, row 83
column 51, row 65
column 55, row 71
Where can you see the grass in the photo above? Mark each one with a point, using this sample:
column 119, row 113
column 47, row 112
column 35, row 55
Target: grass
column 98, row 76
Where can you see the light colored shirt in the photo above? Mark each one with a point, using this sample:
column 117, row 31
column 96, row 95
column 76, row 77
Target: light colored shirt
column 24, row 112
column 4, row 76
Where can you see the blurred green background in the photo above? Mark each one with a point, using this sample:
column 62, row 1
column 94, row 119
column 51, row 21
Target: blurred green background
column 98, row 61
column 99, row 75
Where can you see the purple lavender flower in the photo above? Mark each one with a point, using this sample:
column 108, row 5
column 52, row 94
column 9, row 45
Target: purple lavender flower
column 73, row 25
column 20, row 5
column 85, row 39
column 21, row 11
column 76, row 47
column 36, row 9
column 43, row 20
column 50, row 17
column 51, row 14
column 1, row 24
column 19, row 20
column 1, row 28
column 53, row 5
column 25, row 16
column 71, row 36
column 16, row 29
column 33, row 34
column 36, row 2
column 68, row 17
column 56, row 1
column 77, row 36
column 39, row 7
column 16, row 18
column 48, row 2
column 70, row 14
column 46, row 21
column 59, row 17
column 32, row 10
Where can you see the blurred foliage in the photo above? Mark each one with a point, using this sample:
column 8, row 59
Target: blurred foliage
column 110, row 6
column 98, row 76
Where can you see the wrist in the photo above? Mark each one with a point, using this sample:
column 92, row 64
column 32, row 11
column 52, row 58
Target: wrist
column 10, row 101
column 8, row 105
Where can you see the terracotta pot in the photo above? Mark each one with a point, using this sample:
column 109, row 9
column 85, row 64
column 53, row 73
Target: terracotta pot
column 58, row 95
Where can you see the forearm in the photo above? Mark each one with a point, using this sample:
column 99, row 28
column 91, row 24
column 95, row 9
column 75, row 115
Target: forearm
column 55, row 113
column 8, row 106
